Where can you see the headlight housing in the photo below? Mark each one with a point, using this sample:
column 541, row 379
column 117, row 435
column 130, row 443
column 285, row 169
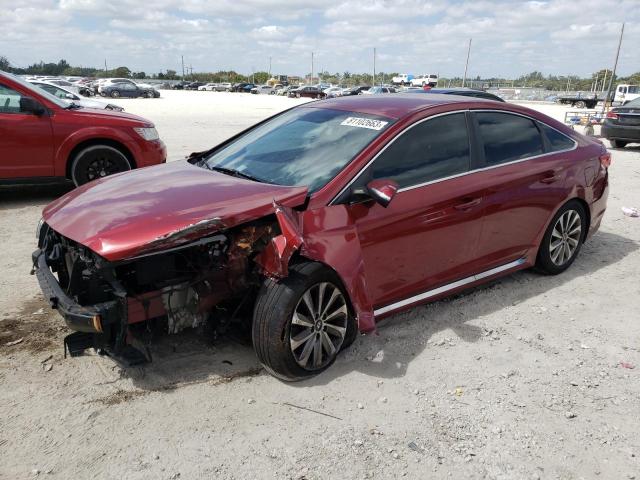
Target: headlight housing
column 148, row 133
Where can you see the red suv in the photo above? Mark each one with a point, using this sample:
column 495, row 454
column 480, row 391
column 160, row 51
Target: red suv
column 318, row 222
column 44, row 136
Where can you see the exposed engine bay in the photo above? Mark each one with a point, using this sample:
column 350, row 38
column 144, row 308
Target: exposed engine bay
column 206, row 280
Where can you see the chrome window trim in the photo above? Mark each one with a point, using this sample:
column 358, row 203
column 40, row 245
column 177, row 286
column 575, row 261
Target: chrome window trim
column 354, row 179
column 449, row 286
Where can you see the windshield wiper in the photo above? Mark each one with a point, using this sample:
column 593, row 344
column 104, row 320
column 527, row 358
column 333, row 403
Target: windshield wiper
column 73, row 105
column 235, row 173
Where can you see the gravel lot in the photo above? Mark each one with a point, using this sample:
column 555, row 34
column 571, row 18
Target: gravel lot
column 529, row 377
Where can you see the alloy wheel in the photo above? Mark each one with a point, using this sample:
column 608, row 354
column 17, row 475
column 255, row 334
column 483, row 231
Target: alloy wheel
column 318, row 326
column 565, row 237
column 101, row 167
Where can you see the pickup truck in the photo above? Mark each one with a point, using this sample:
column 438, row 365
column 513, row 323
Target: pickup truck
column 402, row 79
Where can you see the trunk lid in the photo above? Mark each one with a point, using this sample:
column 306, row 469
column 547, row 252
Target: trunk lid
column 155, row 208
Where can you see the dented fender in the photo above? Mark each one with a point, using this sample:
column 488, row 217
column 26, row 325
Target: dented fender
column 327, row 235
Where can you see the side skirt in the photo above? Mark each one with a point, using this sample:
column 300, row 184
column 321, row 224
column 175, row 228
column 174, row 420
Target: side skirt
column 445, row 288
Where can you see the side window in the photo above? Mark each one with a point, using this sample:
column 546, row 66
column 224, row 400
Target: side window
column 431, row 150
column 634, row 89
column 9, row 100
column 557, row 141
column 508, row 137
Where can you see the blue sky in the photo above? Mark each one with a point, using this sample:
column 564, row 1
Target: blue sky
column 510, row 37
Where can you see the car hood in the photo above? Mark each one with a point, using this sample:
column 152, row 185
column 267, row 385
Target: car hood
column 155, row 208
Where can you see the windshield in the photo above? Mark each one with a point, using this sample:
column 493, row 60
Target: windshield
column 37, row 91
column 301, row 147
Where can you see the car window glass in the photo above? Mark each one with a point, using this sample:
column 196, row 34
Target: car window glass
column 431, row 150
column 508, row 137
column 9, row 100
column 557, row 141
column 633, row 89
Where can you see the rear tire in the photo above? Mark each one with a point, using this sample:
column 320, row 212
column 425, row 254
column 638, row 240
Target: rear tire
column 563, row 239
column 581, row 104
column 97, row 161
column 301, row 322
column 618, row 143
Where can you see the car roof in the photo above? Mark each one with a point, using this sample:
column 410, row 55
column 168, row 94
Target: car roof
column 392, row 106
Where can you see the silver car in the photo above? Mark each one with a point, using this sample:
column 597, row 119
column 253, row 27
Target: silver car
column 72, row 97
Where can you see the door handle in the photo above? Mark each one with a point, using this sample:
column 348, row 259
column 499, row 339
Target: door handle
column 468, row 204
column 550, row 177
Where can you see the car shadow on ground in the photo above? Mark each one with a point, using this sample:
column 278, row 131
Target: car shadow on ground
column 28, row 195
column 188, row 358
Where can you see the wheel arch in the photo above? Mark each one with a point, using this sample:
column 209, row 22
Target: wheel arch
column 98, row 141
column 587, row 210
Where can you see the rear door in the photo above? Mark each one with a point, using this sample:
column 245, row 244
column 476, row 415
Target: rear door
column 26, row 140
column 525, row 174
column 428, row 234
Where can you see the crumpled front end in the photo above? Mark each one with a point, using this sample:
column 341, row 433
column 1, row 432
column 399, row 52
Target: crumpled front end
column 108, row 304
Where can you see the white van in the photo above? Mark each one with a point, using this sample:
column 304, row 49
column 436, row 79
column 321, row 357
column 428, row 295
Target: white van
column 626, row 93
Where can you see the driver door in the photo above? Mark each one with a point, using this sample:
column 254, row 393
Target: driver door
column 26, row 140
column 427, row 236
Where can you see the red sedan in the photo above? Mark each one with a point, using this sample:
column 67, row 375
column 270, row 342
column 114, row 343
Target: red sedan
column 43, row 136
column 320, row 221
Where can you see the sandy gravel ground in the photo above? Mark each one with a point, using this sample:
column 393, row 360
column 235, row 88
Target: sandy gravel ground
column 526, row 378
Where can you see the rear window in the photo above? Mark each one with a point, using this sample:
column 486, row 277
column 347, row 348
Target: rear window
column 507, row 137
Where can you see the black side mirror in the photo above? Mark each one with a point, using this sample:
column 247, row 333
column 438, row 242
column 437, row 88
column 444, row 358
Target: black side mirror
column 31, row 105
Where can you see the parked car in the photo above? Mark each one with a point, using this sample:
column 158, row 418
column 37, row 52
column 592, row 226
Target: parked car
column 43, row 136
column 355, row 90
column 309, row 92
column 332, row 92
column 625, row 93
column 223, row 87
column 210, row 87
column 263, row 90
column 64, row 83
column 378, row 91
column 179, row 85
column 465, row 92
column 71, row 97
column 108, row 82
column 193, row 85
column 285, row 90
column 127, row 90
column 622, row 124
column 426, row 79
column 240, row 87
column 320, row 221
column 402, row 79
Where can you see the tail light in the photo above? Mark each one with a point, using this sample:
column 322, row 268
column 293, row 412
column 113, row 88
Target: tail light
column 605, row 160
column 613, row 115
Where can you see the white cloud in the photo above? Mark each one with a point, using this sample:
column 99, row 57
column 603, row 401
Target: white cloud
column 510, row 37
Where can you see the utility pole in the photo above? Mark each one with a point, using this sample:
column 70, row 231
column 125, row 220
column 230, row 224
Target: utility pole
column 183, row 68
column 604, row 80
column 613, row 72
column 269, row 67
column 374, row 66
column 466, row 65
column 105, row 64
column 311, row 79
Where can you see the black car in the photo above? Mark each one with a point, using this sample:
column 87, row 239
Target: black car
column 179, row 85
column 622, row 124
column 355, row 90
column 128, row 90
column 193, row 85
column 242, row 87
column 463, row 91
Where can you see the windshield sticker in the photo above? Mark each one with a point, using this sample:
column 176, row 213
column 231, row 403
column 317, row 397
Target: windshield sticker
column 364, row 123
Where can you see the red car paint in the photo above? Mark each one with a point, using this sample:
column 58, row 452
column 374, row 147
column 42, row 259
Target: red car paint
column 42, row 146
column 458, row 232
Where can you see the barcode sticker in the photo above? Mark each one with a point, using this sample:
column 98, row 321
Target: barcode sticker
column 364, row 123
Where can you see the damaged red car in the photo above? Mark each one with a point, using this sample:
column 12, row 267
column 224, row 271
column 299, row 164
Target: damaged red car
column 316, row 223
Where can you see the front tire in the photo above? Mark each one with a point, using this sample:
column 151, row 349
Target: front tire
column 97, row 161
column 618, row 143
column 581, row 104
column 115, row 94
column 563, row 239
column 301, row 322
